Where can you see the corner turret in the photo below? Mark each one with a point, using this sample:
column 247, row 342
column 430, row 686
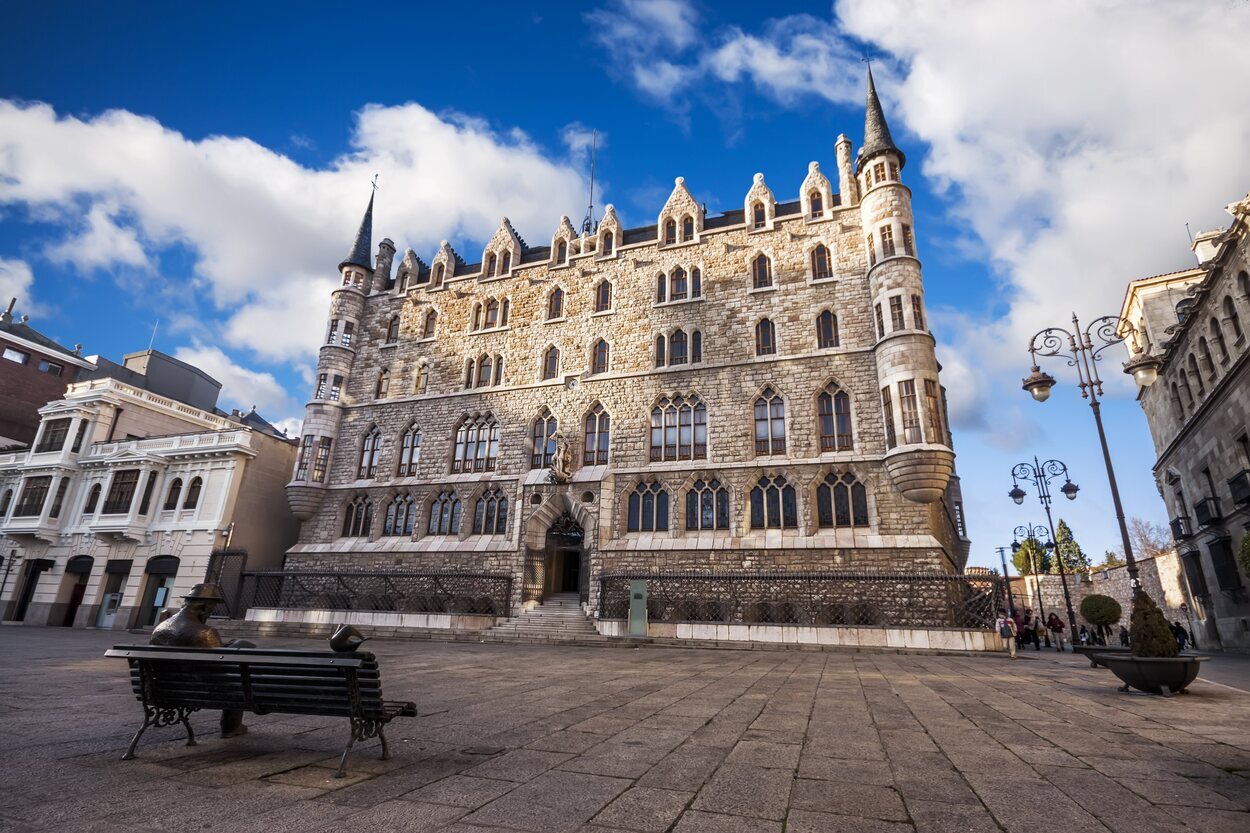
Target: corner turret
column 877, row 138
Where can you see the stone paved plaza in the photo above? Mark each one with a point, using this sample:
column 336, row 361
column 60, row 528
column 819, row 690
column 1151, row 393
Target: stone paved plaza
column 597, row 740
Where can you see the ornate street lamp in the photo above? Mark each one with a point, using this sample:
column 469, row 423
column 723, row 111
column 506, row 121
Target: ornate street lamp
column 1036, row 532
column 1041, row 474
column 1083, row 354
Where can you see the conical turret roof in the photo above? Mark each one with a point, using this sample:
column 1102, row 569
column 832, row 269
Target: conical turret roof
column 363, row 246
column 877, row 137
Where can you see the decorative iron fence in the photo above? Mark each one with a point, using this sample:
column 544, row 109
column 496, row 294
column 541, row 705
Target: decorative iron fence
column 488, row 594
column 852, row 599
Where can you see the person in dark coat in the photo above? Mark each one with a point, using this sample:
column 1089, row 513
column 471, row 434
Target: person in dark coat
column 189, row 628
column 1182, row 635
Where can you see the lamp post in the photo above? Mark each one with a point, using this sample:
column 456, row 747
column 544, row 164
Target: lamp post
column 1083, row 354
column 1011, row 602
column 1029, row 531
column 1041, row 474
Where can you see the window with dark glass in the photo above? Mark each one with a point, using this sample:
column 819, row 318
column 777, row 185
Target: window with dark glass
column 687, row 228
column 401, row 516
column 409, row 451
column 444, row 514
column 336, row 388
column 121, row 492
column 696, row 347
column 192, row 499
column 678, row 429
column 59, row 498
column 175, row 490
column 551, row 363
column 392, row 330
column 555, row 304
column 562, row 252
column 933, row 412
column 770, row 423
column 55, row 432
column 896, row 313
column 660, row 360
column 423, row 379
column 383, row 385
column 370, row 453
column 841, row 501
column 5, row 500
column 332, row 335
column 680, row 285
column 707, row 506
column 817, row 204
column 492, row 314
column 880, row 322
column 484, row 369
column 909, row 242
column 647, row 508
column 598, row 427
column 696, row 283
column 670, row 232
column 603, row 296
column 826, row 330
column 917, row 312
column 431, row 320
column 887, row 409
column 477, row 445
column 773, row 504
column 872, row 252
column 599, row 357
column 661, row 288
column 93, row 499
column 821, row 267
column 490, row 265
column 349, row 333
column 322, row 381
column 358, row 518
column 910, row 410
column 758, row 216
column 506, row 263
column 765, row 338
column 322, row 460
column 145, row 502
column 490, row 513
column 761, row 272
column 80, row 436
column 833, row 417
column 546, row 427
column 608, row 242
column 678, row 348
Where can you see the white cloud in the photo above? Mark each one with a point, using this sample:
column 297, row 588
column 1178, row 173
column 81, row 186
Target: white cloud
column 240, row 388
column 266, row 232
column 16, row 281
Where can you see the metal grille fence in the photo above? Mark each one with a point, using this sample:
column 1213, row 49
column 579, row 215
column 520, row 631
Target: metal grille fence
column 402, row 592
column 853, row 599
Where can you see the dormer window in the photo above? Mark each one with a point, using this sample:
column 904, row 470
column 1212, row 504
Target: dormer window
column 392, row 330
column 817, row 204
column 687, row 228
column 562, row 252
column 608, row 242
column 758, row 216
column 878, row 171
column 507, row 263
column 670, row 232
column 438, row 274
column 490, row 265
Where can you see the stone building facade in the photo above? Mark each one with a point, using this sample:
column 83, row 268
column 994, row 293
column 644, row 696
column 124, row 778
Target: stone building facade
column 135, row 488
column 1196, row 322
column 755, row 391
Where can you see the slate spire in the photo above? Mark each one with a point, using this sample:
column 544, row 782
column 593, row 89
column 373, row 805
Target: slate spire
column 877, row 137
column 361, row 249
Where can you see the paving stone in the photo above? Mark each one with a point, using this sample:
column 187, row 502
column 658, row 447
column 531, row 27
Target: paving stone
column 808, row 821
column 845, row 798
column 398, row 817
column 1185, row 793
column 461, row 791
column 765, row 754
column 841, row 769
column 746, row 791
column 944, row 817
column 645, row 809
column 696, row 821
column 554, row 801
column 519, row 765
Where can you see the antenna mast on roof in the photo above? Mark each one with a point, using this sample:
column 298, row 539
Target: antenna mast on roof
column 589, row 225
column 152, row 340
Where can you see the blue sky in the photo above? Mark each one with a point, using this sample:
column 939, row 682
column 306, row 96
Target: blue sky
column 206, row 166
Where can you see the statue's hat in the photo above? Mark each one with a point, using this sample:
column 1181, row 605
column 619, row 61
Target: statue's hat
column 205, row 592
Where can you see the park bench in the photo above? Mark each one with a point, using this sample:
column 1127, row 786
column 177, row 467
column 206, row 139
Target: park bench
column 172, row 682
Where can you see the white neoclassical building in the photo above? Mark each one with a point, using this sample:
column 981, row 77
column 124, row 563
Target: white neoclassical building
column 135, row 488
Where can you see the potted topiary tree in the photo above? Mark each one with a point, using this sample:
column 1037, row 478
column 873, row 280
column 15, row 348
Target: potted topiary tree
column 1102, row 612
column 1153, row 664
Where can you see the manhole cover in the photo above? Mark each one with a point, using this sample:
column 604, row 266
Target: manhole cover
column 482, row 750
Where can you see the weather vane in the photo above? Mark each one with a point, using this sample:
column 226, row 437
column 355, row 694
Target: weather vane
column 375, row 182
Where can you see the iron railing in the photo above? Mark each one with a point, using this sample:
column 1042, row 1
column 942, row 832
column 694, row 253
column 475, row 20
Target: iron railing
column 432, row 591
column 853, row 599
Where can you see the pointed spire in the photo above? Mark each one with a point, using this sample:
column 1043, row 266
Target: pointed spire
column 361, row 249
column 877, row 137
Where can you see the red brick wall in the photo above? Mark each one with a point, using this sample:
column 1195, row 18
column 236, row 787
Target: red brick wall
column 24, row 390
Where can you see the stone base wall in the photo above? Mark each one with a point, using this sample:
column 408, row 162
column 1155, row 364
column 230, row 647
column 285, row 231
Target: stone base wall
column 921, row 639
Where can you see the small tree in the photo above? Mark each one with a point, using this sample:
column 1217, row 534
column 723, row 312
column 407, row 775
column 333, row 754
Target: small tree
column 1031, row 558
column 1148, row 539
column 1066, row 548
column 1111, row 558
column 1101, row 611
column 1149, row 633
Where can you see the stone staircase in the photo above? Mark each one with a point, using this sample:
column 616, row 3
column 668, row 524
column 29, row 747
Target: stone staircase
column 558, row 618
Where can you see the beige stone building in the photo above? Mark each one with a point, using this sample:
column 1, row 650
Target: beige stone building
column 1195, row 321
column 754, row 393
column 136, row 488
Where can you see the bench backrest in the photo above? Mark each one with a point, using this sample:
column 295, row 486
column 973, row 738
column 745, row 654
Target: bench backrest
column 282, row 681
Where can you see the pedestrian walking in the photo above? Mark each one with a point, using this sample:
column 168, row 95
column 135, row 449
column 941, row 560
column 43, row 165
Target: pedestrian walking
column 1182, row 635
column 1055, row 625
column 1006, row 626
column 1030, row 630
column 1084, row 635
column 1040, row 633
column 1123, row 637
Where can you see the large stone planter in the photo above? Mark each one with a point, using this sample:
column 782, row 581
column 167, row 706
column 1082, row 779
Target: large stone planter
column 1155, row 675
column 1090, row 651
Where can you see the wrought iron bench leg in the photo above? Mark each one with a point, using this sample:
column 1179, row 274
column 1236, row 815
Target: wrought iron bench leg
column 386, row 750
column 184, row 719
column 148, row 718
column 347, row 749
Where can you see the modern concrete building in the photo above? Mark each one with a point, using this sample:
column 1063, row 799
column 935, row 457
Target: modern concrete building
column 750, row 392
column 136, row 488
column 1195, row 321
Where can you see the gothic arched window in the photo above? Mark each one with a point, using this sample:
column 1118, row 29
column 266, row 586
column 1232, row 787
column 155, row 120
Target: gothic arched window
column 826, row 330
column 841, row 501
column 660, row 353
column 817, row 204
column 358, row 518
column 444, row 514
column 439, row 271
column 1217, row 336
column 193, row 493
column 370, row 452
column 409, row 452
column 647, row 508
column 773, row 504
column 1230, row 313
column 670, row 232
column 687, row 228
column 506, row 264
column 696, row 347
column 608, row 242
column 551, row 363
column 599, row 357
column 761, row 272
column 490, row 513
column 431, row 321
column 678, row 348
column 562, row 252
column 707, row 506
column 477, row 445
column 555, row 304
column 765, row 338
column 544, row 439
column 383, row 385
column 392, row 330
column 821, row 268
column 770, row 423
column 490, row 265
column 758, row 216
column 678, row 429
column 401, row 516
column 598, row 436
column 696, row 282
column 679, row 285
column 603, row 296
column 833, row 417
column 422, row 383
column 492, row 314
column 484, row 367
column 661, row 288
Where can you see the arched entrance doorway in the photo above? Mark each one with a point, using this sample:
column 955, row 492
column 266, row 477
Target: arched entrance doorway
column 556, row 559
column 77, row 574
column 566, row 557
